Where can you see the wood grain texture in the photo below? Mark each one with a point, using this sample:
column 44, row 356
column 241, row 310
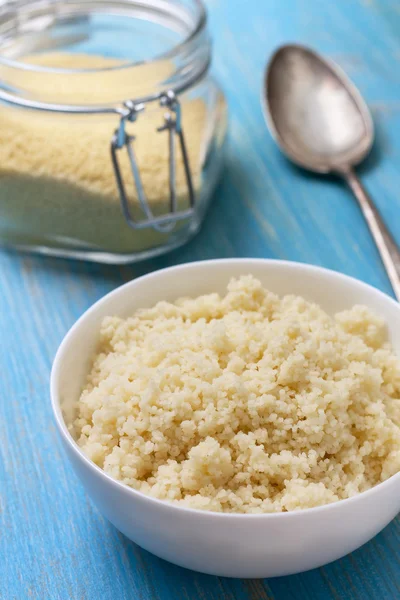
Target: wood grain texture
column 54, row 545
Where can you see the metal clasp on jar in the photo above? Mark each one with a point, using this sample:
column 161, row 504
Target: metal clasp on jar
column 121, row 139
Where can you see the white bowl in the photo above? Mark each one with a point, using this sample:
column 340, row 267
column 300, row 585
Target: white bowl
column 233, row 545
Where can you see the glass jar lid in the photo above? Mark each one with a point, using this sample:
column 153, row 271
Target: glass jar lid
column 132, row 33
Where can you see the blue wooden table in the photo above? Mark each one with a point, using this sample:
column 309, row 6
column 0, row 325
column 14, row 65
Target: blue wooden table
column 53, row 542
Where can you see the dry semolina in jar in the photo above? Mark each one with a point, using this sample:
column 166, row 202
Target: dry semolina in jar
column 244, row 403
column 57, row 182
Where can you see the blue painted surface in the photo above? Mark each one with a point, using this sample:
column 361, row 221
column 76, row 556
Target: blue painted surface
column 53, row 543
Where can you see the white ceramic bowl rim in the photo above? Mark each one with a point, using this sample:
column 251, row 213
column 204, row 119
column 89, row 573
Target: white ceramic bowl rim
column 57, row 366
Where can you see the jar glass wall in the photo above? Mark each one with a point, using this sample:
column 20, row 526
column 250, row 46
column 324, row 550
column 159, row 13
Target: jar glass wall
column 72, row 74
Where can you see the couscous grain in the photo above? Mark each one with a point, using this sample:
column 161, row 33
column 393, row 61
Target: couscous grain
column 245, row 403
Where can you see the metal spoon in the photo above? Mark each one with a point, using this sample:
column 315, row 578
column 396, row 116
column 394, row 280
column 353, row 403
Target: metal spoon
column 321, row 122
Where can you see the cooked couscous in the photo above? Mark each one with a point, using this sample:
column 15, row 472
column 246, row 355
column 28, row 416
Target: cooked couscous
column 246, row 403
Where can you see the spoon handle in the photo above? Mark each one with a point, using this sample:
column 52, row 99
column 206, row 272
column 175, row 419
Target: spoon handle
column 384, row 241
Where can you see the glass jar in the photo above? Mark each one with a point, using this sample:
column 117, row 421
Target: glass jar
column 111, row 128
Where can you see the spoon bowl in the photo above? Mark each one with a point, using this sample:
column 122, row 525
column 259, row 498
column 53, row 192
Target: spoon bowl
column 321, row 122
column 314, row 111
